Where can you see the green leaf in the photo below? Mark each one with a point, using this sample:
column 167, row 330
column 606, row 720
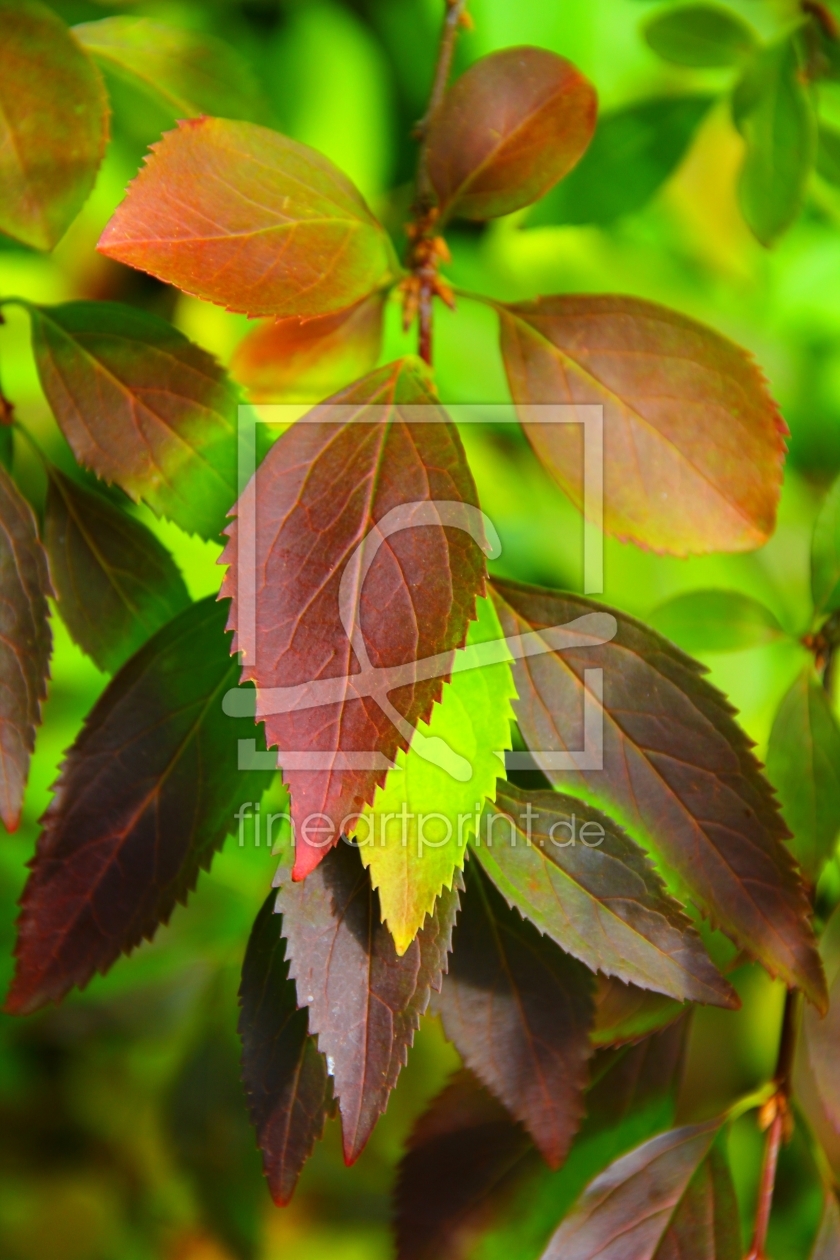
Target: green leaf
column 244, row 217
column 825, row 554
column 625, row 1013
column 700, row 35
column 115, row 583
column 773, row 108
column 141, row 406
column 53, row 124
column 413, row 837
column 716, row 621
column 581, row 880
column 633, row 152
column 828, row 154
column 190, row 72
column 803, row 763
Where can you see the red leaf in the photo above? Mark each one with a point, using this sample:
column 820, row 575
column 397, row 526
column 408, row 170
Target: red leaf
column 305, row 360
column 678, row 773
column 146, row 796
column 25, row 644
column 53, row 124
column 320, row 491
column 693, row 442
column 242, row 216
column 364, row 1001
column 284, row 1072
column 519, row 1012
column 509, row 129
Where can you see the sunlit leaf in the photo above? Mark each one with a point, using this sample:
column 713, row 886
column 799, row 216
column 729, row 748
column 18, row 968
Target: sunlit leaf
column 25, row 644
column 693, row 441
column 146, row 796
column 519, row 1012
column 634, row 150
column 190, row 72
column 245, row 217
column 716, row 621
column 364, row 1002
column 828, row 154
column 673, row 1196
column 773, row 109
column 318, row 495
column 678, row 773
column 294, row 360
column 284, row 1072
column 625, row 1013
column 53, row 124
column 582, row 881
column 114, row 582
column 803, row 764
column 825, row 554
column 414, row 837
column 509, row 129
column 700, row 35
column 141, row 406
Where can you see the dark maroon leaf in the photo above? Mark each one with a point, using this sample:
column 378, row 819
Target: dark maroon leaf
column 625, row 1013
column 582, row 881
column 25, row 644
column 114, row 582
column 146, row 796
column 317, row 495
column 284, row 1072
column 519, row 1012
column 678, row 773
column 364, row 1001
column 669, row 1199
column 628, row 1078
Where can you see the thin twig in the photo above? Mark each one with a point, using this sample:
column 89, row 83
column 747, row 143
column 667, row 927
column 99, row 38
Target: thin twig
column 452, row 23
column 778, row 1118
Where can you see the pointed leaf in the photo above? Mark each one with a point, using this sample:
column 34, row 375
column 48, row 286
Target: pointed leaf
column 582, row 881
column 413, row 838
column 141, row 406
column 716, row 621
column 827, row 1242
column 319, row 493
column 114, row 582
column 295, row 360
column 678, row 773
column 700, row 35
column 803, row 764
column 53, row 124
column 634, row 150
column 625, row 1013
column 519, row 1012
column 189, row 72
column 146, row 796
column 687, row 419
column 242, row 216
column 825, row 554
column 630, row 1078
column 25, row 644
column 773, row 108
column 509, row 129
column 364, row 1002
column 284, row 1072
column 670, row 1197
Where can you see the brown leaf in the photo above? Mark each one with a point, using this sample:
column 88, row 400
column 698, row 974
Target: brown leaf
column 625, row 1013
column 678, row 773
column 693, row 442
column 519, row 1012
column 509, row 129
column 297, row 360
column 53, row 124
column 25, row 644
column 240, row 215
column 317, row 496
column 284, row 1072
column 364, row 1001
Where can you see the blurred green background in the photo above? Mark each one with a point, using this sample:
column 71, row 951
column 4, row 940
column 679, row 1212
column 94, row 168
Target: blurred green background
column 122, row 1125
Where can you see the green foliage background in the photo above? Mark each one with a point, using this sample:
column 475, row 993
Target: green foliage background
column 122, row 1130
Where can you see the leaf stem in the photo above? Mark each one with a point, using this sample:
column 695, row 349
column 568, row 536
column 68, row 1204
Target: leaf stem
column 777, row 1118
